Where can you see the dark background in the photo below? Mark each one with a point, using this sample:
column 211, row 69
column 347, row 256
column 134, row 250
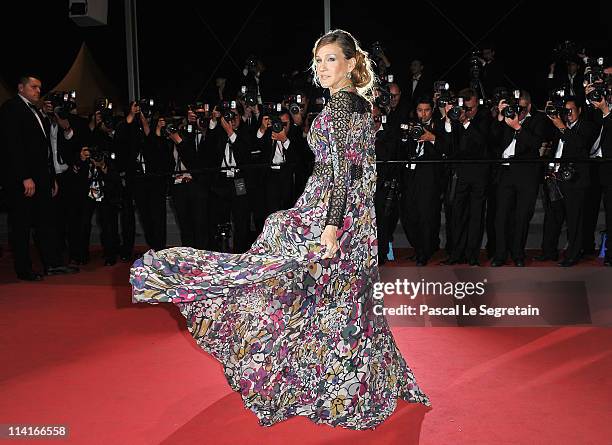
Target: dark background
column 180, row 42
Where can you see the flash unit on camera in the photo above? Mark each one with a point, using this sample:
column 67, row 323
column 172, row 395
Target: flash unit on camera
column 390, row 78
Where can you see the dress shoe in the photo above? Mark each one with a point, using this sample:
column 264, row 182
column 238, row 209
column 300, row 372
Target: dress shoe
column 381, row 260
column 519, row 262
column 125, row 258
column 497, row 263
column 608, row 262
column 110, row 261
column 61, row 270
column 568, row 262
column 449, row 262
column 545, row 257
column 421, row 262
column 473, row 262
column 30, row 276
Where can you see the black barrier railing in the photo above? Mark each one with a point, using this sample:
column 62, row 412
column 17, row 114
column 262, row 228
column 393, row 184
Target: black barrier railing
column 397, row 161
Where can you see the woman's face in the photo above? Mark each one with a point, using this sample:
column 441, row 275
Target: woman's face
column 332, row 66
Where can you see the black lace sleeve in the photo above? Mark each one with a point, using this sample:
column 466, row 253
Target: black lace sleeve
column 340, row 107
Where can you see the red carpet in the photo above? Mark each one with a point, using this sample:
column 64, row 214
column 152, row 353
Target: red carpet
column 75, row 351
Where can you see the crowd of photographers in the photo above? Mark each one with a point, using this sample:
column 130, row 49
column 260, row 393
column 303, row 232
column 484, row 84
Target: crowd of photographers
column 233, row 159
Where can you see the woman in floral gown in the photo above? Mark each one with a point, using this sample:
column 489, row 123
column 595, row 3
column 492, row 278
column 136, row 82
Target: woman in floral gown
column 292, row 319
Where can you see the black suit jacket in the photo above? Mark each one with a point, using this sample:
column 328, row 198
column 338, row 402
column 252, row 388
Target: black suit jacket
column 26, row 149
column 577, row 143
column 470, row 143
column 424, row 88
column 605, row 126
column 528, row 142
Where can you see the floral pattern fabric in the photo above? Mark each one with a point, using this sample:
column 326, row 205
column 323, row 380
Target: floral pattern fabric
column 297, row 334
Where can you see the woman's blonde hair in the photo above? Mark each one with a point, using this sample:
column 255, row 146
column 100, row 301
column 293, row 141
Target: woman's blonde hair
column 362, row 75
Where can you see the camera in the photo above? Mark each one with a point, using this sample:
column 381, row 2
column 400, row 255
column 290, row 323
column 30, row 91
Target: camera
column 273, row 111
column 63, row 102
column 98, row 155
column 383, row 96
column 475, row 66
column 513, row 109
column 295, row 103
column 566, row 172
column 226, row 108
column 414, row 130
column 377, row 49
column 440, row 86
column 599, row 93
column 105, row 107
column 200, row 109
column 455, row 112
column 557, row 105
column 249, row 97
column 146, row 107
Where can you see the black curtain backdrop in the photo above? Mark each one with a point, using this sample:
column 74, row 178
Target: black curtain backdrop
column 182, row 43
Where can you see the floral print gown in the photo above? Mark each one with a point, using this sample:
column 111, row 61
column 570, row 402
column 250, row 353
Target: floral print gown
column 297, row 334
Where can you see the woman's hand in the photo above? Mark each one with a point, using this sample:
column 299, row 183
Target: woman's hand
column 329, row 239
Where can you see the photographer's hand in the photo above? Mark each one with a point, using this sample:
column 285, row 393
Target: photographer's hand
column 47, row 107
column 29, row 187
column 84, row 154
column 176, row 138
column 513, row 123
column 55, row 189
column 282, row 136
column 161, row 123
column 427, row 136
column 134, row 110
column 500, row 107
column 265, row 124
column 227, row 126
column 145, row 124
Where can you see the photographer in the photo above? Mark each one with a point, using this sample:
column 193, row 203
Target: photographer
column 190, row 191
column 465, row 136
column 418, row 84
column 278, row 138
column 492, row 72
column 387, row 184
column 601, row 149
column 102, row 195
column 227, row 146
column 420, row 183
column 129, row 141
column 517, row 134
column 567, row 182
column 382, row 63
column 571, row 78
column 68, row 133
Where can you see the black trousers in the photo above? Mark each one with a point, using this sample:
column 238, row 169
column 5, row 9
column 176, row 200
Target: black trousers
column 107, row 219
column 67, row 211
column 419, row 208
column 279, row 189
column 468, row 217
column 127, row 218
column 569, row 209
column 592, row 203
column 191, row 204
column 27, row 214
column 229, row 207
column 386, row 206
column 150, row 199
column 516, row 199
